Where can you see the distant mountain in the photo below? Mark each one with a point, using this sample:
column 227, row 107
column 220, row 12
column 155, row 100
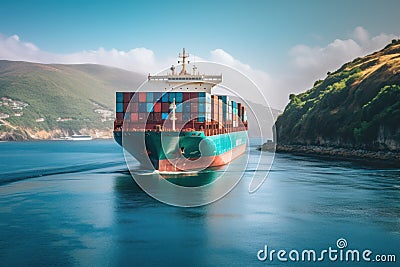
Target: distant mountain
column 46, row 100
column 356, row 107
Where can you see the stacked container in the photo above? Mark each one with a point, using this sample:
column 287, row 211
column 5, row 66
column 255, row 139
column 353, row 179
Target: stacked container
column 194, row 110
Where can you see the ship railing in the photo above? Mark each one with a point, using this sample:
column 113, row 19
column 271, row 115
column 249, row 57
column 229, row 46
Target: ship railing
column 188, row 78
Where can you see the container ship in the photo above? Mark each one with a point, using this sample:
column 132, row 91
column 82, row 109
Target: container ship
column 175, row 123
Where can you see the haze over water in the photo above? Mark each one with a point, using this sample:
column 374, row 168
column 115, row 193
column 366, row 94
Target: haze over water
column 74, row 203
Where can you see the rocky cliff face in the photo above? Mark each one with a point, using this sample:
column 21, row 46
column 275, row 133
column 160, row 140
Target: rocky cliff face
column 355, row 107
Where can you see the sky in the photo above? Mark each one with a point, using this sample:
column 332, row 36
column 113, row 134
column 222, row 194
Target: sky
column 283, row 46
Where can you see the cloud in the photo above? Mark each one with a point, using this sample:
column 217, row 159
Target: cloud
column 306, row 63
column 314, row 62
column 261, row 78
column 140, row 60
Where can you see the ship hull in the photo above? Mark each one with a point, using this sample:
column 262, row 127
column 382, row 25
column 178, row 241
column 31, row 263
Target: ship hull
column 182, row 151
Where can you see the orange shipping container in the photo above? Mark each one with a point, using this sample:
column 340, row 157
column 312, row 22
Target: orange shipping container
column 134, row 117
column 142, row 97
column 157, row 107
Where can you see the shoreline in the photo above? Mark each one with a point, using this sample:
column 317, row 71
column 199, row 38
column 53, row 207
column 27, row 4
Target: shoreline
column 388, row 158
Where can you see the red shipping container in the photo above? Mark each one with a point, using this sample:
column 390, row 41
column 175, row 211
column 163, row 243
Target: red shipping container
column 150, row 117
column 157, row 107
column 134, row 117
column 165, row 107
column 134, row 107
column 178, row 117
column 127, row 97
column 142, row 97
column 126, row 105
column 157, row 117
column 185, row 96
column 120, row 116
column 194, row 95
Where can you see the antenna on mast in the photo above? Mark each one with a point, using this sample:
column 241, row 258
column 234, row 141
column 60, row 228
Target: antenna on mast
column 183, row 56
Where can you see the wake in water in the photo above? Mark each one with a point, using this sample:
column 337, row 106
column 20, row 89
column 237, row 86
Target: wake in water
column 10, row 177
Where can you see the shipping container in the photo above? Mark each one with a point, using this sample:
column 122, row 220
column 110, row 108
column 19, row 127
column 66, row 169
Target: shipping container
column 178, row 108
column 119, row 96
column 134, row 107
column 164, row 115
column 178, row 117
column 165, row 107
column 194, row 107
column 165, row 98
column 127, row 97
column 202, row 107
column 208, row 98
column 142, row 107
column 157, row 107
column 171, row 96
column 149, row 107
column 142, row 117
column 156, row 96
column 185, row 96
column 186, row 107
column 142, row 97
column 179, row 97
column 150, row 117
column 194, row 95
column 120, row 107
column 149, row 97
column 134, row 117
column 119, row 116
column 126, row 104
column 157, row 117
column 186, row 116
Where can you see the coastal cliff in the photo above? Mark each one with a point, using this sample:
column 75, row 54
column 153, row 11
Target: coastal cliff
column 354, row 109
column 49, row 101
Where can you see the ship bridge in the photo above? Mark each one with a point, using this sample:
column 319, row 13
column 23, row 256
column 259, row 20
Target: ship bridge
column 182, row 81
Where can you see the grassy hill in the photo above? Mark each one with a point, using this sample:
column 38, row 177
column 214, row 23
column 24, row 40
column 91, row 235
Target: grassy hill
column 357, row 106
column 65, row 96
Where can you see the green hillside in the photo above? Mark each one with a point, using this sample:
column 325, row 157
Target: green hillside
column 357, row 106
column 65, row 96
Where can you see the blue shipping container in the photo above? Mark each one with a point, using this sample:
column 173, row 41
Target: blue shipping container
column 201, row 107
column 179, row 108
column 120, row 107
column 149, row 107
column 171, row 97
column 186, row 117
column 143, row 107
column 186, row 107
column 156, row 96
column 201, row 119
column 149, row 97
column 119, row 97
column 224, row 99
column 164, row 98
column 164, row 116
column 179, row 97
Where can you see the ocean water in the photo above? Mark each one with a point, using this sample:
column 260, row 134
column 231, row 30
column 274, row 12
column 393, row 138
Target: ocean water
column 74, row 203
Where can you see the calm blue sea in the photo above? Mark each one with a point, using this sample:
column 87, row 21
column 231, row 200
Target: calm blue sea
column 74, row 203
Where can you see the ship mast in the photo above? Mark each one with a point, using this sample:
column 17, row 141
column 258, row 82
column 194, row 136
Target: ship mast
column 183, row 56
column 173, row 117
